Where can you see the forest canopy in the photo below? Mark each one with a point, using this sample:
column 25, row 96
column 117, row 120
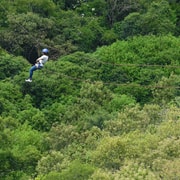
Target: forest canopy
column 107, row 103
column 69, row 26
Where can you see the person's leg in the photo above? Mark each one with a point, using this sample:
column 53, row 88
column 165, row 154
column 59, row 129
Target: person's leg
column 33, row 68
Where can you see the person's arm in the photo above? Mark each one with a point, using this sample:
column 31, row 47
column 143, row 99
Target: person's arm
column 40, row 58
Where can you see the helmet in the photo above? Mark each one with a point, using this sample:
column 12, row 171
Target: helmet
column 45, row 50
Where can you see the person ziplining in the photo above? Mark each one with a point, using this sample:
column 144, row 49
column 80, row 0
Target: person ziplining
column 39, row 63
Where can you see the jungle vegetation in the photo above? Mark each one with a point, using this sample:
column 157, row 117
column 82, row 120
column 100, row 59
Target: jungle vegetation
column 106, row 106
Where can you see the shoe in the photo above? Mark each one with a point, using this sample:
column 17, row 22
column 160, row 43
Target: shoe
column 28, row 80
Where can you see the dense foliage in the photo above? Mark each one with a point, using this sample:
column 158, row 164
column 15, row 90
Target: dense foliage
column 81, row 25
column 110, row 114
column 107, row 107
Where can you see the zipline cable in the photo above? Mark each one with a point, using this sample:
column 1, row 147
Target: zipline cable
column 136, row 65
column 75, row 79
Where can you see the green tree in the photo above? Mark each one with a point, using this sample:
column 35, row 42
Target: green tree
column 101, row 174
column 10, row 96
column 61, row 136
column 135, row 170
column 34, row 117
column 158, row 20
column 118, row 10
column 10, row 65
column 77, row 170
column 134, row 118
column 54, row 161
column 129, row 27
column 120, row 101
column 176, row 8
column 25, row 34
column 97, row 92
column 27, row 146
column 110, row 153
column 19, row 150
column 168, row 89
column 90, row 34
column 42, row 7
column 134, row 62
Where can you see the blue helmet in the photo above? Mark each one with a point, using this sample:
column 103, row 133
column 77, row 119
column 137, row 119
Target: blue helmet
column 45, row 50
